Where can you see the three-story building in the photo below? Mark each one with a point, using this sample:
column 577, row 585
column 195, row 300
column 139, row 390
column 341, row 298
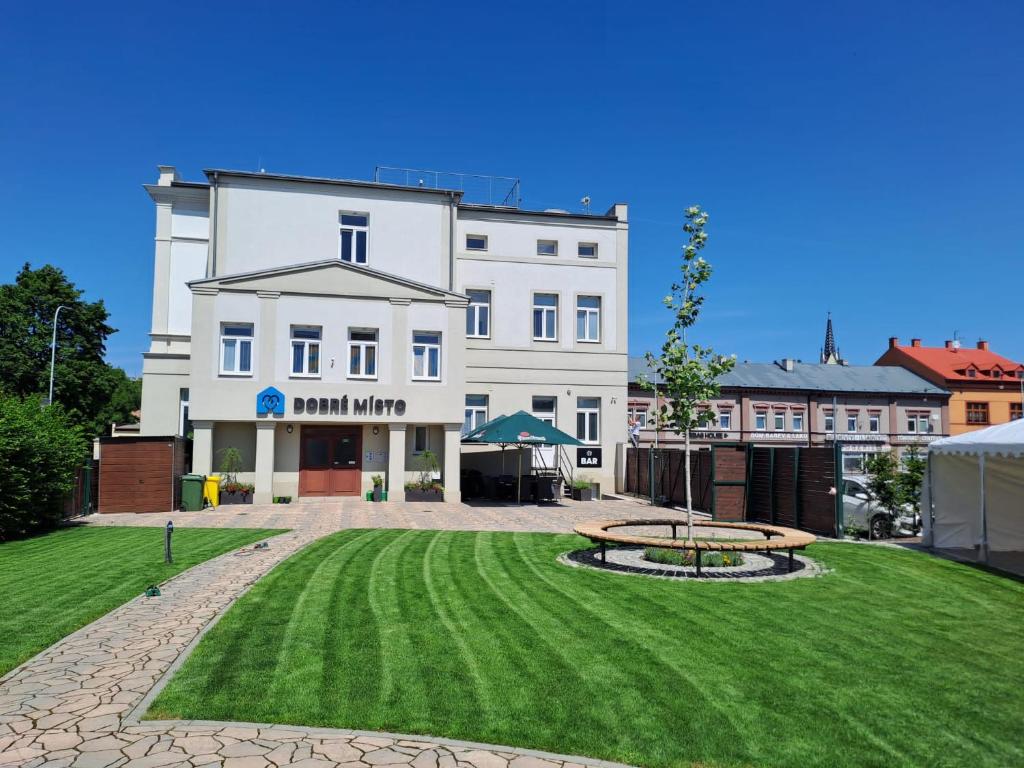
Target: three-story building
column 332, row 330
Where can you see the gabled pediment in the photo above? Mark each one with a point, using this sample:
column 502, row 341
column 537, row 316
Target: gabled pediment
column 327, row 278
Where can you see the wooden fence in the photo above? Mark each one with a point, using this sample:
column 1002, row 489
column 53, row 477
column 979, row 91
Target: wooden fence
column 717, row 478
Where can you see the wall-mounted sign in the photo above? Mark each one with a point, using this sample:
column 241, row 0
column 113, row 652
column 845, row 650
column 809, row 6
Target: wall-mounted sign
column 270, row 400
column 342, row 406
column 588, row 457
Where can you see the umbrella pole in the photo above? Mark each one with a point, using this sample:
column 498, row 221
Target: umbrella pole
column 519, row 479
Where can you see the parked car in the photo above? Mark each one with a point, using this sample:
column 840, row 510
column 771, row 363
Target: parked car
column 862, row 510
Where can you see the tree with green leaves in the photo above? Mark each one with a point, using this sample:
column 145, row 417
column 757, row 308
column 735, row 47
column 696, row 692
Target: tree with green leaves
column 895, row 483
column 687, row 374
column 92, row 392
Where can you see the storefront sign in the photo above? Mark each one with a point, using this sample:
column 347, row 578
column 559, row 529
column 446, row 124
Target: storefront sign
column 342, row 406
column 270, row 400
column 588, row 457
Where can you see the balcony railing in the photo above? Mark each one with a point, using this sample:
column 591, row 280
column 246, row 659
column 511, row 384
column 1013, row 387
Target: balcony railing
column 504, row 191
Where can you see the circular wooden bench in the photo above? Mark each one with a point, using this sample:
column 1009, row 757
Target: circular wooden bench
column 776, row 537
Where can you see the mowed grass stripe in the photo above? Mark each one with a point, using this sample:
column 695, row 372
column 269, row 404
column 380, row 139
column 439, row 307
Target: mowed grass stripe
column 54, row 584
column 486, row 637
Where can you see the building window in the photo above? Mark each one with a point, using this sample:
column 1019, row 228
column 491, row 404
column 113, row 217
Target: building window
column 588, row 318
column 587, row 250
column 761, row 420
column 420, row 439
column 544, row 408
column 545, row 317
column 851, row 423
column 924, row 424
column 874, row 421
column 476, row 412
column 547, row 247
column 911, row 423
column 426, row 355
column 305, row 350
column 725, row 420
column 478, row 315
column 362, row 353
column 971, row 373
column 1016, row 411
column 780, row 421
column 355, row 228
column 977, row 413
column 830, row 422
column 637, row 413
column 476, row 242
column 798, row 422
column 588, row 419
column 236, row 349
column 853, row 463
column 996, row 373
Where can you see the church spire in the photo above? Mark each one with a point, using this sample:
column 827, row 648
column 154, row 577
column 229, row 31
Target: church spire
column 830, row 353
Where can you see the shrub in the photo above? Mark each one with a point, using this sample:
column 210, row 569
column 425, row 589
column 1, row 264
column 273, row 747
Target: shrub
column 686, row 557
column 39, row 452
column 230, row 465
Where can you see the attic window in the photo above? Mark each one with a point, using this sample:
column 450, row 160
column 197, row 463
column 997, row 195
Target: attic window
column 996, row 373
column 971, row 373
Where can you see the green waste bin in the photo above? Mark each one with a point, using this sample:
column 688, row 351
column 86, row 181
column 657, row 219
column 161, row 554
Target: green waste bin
column 192, row 492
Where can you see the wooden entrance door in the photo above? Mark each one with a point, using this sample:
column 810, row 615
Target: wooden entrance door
column 330, row 461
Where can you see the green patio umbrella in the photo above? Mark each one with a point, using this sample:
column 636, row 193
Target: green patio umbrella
column 519, row 429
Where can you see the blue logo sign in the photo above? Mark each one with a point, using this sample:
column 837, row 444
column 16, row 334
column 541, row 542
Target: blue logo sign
column 270, row 400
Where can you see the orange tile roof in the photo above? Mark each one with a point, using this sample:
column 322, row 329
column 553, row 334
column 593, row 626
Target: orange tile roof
column 953, row 363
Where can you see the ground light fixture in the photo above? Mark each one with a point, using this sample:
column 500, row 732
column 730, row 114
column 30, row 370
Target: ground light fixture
column 152, row 591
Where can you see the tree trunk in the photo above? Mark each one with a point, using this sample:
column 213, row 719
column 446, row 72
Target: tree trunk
column 689, row 499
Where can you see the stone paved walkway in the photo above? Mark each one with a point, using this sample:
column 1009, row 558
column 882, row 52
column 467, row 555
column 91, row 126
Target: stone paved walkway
column 77, row 703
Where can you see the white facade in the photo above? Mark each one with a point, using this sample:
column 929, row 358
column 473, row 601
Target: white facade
column 265, row 281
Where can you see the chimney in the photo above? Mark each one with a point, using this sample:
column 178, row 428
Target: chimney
column 786, row 364
column 983, row 345
column 168, row 174
column 915, row 342
column 894, row 342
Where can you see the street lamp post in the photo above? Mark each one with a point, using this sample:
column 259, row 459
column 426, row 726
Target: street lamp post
column 53, row 350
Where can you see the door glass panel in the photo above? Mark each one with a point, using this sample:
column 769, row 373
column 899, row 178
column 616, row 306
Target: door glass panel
column 345, row 451
column 316, row 453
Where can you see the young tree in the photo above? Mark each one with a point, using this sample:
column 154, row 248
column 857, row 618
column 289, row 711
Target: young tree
column 912, row 477
column 84, row 383
column 687, row 374
column 884, row 482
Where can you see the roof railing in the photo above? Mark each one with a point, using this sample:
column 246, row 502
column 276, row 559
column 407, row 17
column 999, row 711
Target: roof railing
column 500, row 191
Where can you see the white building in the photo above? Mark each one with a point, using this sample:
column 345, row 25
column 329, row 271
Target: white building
column 332, row 330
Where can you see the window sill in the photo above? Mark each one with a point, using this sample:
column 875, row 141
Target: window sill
column 588, row 341
column 550, row 341
column 425, row 378
column 304, row 376
column 478, row 338
column 232, row 375
column 354, row 377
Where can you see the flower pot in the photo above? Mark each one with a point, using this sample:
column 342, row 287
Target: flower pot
column 235, row 497
column 378, row 492
column 418, row 494
column 583, row 494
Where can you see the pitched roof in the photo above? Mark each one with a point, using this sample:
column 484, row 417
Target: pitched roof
column 815, row 377
column 952, row 363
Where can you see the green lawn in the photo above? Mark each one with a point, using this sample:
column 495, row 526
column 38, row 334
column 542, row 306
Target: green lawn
column 894, row 659
column 51, row 585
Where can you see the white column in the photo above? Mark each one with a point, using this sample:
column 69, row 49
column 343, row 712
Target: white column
column 396, row 462
column 264, row 493
column 202, row 447
column 452, row 462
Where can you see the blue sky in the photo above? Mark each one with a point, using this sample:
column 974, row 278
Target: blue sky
column 864, row 158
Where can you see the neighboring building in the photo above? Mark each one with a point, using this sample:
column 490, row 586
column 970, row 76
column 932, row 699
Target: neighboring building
column 332, row 330
column 865, row 408
column 986, row 388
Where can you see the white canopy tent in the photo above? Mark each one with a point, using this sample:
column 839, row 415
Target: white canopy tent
column 973, row 495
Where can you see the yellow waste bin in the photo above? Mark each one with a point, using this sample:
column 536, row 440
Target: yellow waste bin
column 211, row 490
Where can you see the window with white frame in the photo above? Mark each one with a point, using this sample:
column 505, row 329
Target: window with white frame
column 587, row 250
column 851, row 422
column 476, row 413
column 761, row 420
column 798, row 421
column 236, row 349
column 476, row 242
column 924, row 425
column 830, row 421
column 874, row 422
column 912, row 422
column 725, row 420
column 478, row 315
column 780, row 421
column 545, row 316
column 306, row 350
column 588, row 419
column 355, row 230
column 853, row 463
column 426, row 355
column 547, row 247
column 588, row 318
column 638, row 413
column 362, row 353
column 420, row 439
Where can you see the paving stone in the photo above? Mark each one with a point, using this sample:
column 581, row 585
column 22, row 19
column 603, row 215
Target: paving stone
column 54, row 742
column 156, row 760
column 198, row 745
column 386, row 757
column 104, row 759
column 529, row 761
column 313, row 762
column 338, row 751
column 102, row 743
column 253, row 761
column 425, row 759
column 243, row 749
column 483, row 759
column 281, row 755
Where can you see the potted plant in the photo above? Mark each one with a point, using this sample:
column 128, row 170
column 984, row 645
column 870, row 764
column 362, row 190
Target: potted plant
column 582, row 489
column 232, row 491
column 427, row 487
column 378, row 487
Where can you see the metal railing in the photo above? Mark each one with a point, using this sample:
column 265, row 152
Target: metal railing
column 504, row 191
